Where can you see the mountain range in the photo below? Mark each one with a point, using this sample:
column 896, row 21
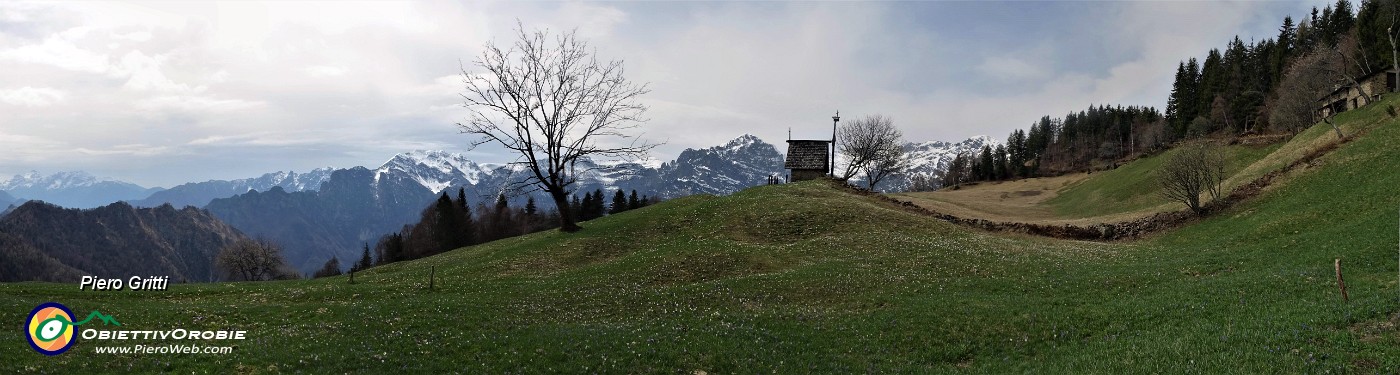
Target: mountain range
column 930, row 159
column 72, row 189
column 41, row 241
column 199, row 194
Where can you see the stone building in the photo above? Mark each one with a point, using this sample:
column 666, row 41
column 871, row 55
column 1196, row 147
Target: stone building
column 808, row 159
column 1349, row 96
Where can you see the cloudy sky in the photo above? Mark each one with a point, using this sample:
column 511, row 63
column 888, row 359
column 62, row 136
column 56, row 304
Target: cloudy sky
column 170, row 92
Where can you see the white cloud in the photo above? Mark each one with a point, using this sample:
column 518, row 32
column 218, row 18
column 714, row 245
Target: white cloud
column 32, row 97
column 195, row 104
column 59, row 51
column 1010, row 68
column 325, row 71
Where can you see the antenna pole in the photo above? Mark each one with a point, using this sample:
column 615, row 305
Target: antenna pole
column 831, row 169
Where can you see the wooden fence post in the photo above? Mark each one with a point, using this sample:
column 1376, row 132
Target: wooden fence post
column 1341, row 284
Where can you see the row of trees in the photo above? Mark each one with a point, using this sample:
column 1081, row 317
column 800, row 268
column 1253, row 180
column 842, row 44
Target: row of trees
column 1053, row 145
column 593, row 205
column 452, row 223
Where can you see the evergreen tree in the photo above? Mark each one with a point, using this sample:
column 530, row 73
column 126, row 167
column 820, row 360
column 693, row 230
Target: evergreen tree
column 576, row 208
column 1001, row 168
column 619, row 203
column 633, row 202
column 530, row 208
column 1016, row 153
column 446, row 232
column 503, row 224
column 646, row 201
column 1285, row 45
column 365, row 261
column 1178, row 97
column 599, row 204
column 985, row 162
column 466, row 226
column 586, row 211
column 390, row 248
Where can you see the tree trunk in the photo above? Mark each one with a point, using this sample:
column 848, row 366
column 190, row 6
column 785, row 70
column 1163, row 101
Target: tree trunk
column 1394, row 55
column 1328, row 120
column 566, row 216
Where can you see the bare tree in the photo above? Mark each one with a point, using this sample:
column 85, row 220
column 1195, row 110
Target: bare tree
column 1190, row 171
column 253, row 260
column 1393, row 8
column 873, row 146
column 1348, row 63
column 551, row 101
column 1308, row 80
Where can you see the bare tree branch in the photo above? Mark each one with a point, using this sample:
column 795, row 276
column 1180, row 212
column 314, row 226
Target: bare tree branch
column 874, row 147
column 555, row 104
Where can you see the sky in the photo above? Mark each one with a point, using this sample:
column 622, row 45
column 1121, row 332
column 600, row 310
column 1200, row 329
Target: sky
column 164, row 93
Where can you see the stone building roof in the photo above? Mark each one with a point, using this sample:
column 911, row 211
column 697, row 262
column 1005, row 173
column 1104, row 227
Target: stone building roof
column 807, row 154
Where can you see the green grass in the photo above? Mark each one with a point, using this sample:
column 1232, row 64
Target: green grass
column 808, row 278
column 1133, row 186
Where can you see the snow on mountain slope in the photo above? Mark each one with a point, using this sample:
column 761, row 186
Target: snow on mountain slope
column 74, row 189
column 929, row 160
column 199, row 194
column 740, row 163
column 436, row 170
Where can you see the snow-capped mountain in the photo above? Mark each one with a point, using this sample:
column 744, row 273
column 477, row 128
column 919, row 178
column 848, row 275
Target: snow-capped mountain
column 199, row 194
column 74, row 189
column 930, row 159
column 743, row 162
column 437, row 170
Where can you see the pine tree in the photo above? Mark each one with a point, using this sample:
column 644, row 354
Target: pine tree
column 633, row 202
column 365, row 261
column 599, row 204
column 586, row 211
column 619, row 203
column 1016, row 153
column 576, row 208
column 986, row 170
column 1177, row 99
column 1001, row 169
column 1286, row 44
column 445, row 232
column 504, row 225
column 466, row 226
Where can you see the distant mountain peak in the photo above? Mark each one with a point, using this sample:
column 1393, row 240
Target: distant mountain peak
column 436, row 170
column 59, row 180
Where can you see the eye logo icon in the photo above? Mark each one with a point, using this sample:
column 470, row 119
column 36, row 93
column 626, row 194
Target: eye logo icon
column 50, row 329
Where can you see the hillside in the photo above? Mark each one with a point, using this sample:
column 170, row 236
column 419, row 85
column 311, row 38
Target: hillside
column 1129, row 191
column 811, row 278
column 40, row 241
